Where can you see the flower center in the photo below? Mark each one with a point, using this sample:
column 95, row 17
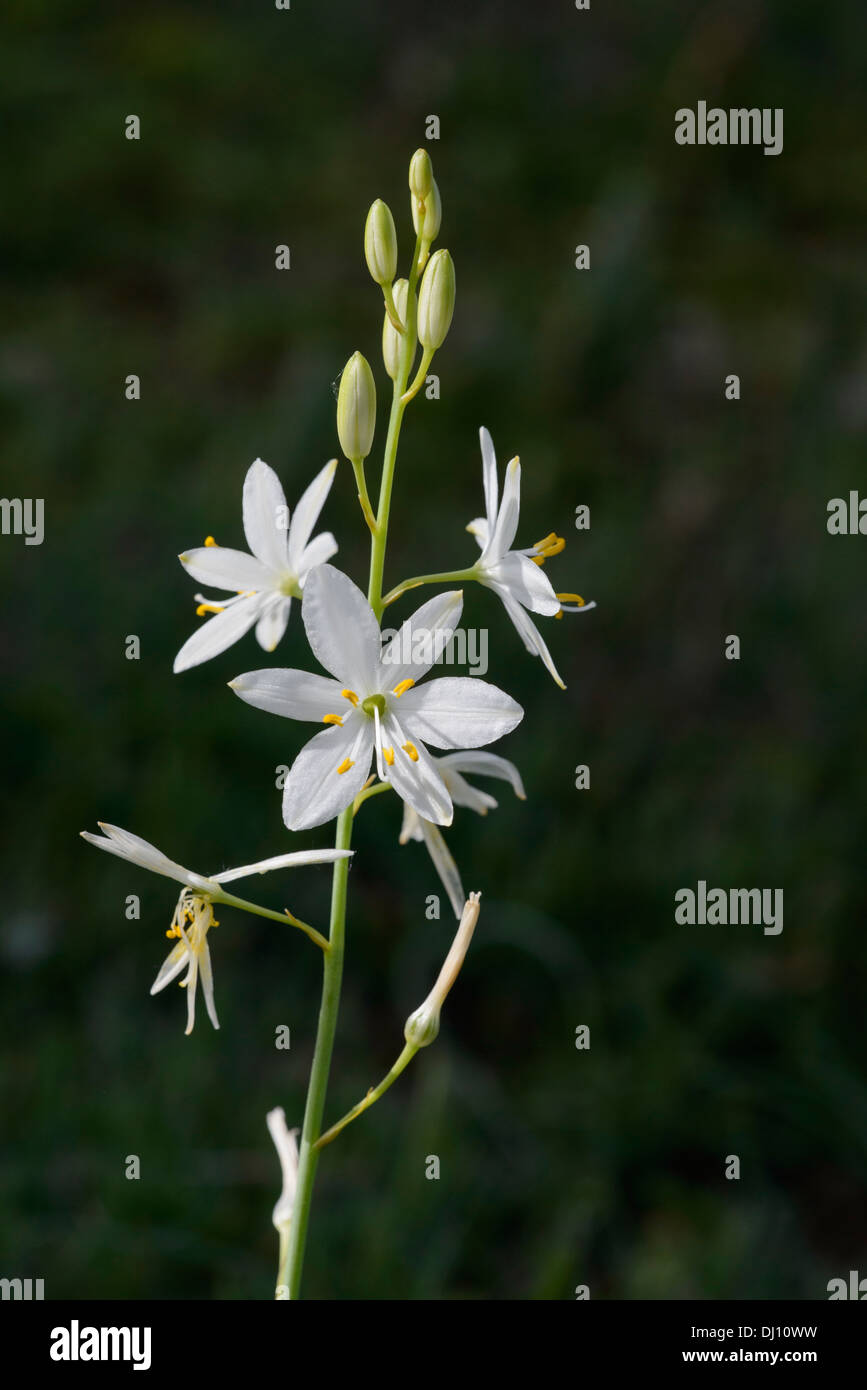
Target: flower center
column 289, row 587
column 374, row 702
column 193, row 918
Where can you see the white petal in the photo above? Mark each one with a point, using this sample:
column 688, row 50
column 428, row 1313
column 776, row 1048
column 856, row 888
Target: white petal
column 484, row 765
column 463, row 794
column 265, row 516
column 306, row 513
column 171, row 967
column 480, row 529
column 320, row 549
column 428, row 632
column 295, row 860
column 227, row 569
column 192, row 981
column 458, row 712
column 287, row 1151
column 449, row 873
column 272, row 624
column 341, row 628
column 489, row 478
column 526, row 582
column 219, row 633
column 530, row 635
column 292, row 694
column 207, row 977
column 138, row 851
column 416, row 780
column 500, row 539
column 315, row 791
column 410, row 827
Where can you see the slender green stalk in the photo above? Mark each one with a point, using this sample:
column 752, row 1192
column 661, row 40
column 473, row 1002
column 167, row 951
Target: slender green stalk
column 400, row 1065
column 446, row 577
column 332, row 974
column 285, row 917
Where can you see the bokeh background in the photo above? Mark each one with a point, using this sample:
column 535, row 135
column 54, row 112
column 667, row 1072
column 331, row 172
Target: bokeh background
column 559, row 1167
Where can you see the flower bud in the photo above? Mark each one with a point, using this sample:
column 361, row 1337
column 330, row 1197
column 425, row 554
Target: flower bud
column 429, row 225
column 436, row 300
column 391, row 339
column 380, row 243
column 422, row 1026
column 356, row 408
column 420, row 174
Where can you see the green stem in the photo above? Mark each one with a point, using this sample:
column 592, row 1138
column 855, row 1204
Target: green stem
column 332, row 973
column 285, row 917
column 400, row 1065
column 446, row 577
column 363, row 496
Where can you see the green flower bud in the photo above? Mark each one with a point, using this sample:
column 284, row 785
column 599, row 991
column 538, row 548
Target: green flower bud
column 422, row 1027
column 420, row 174
column 428, row 226
column 380, row 243
column 391, row 339
column 436, row 300
column 356, row 408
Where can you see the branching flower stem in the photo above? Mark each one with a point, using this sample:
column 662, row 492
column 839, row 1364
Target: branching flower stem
column 332, row 970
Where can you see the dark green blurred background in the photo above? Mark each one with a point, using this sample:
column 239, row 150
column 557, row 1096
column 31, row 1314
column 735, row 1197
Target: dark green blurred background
column 559, row 1167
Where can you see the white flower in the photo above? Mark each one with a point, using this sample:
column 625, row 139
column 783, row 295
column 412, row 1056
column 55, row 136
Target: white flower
column 264, row 583
column 287, row 1151
column 415, row 827
column 374, row 705
column 194, row 914
column 516, row 575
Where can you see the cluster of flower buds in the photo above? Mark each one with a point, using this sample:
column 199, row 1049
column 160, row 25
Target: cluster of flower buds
column 415, row 313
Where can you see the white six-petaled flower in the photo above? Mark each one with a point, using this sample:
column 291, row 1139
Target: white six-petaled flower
column 265, row 582
column 374, row 705
column 516, row 575
column 194, row 913
column 451, row 767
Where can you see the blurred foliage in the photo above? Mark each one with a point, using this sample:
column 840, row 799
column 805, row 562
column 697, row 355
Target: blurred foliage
column 559, row 1167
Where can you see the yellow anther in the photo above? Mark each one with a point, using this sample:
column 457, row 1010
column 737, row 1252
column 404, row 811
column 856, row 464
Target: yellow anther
column 332, row 719
column 411, row 750
column 548, row 546
column 350, row 695
column 403, row 687
column 171, row 932
column 559, row 613
column 388, row 754
column 204, row 608
column 346, row 765
column 209, row 540
column 571, row 598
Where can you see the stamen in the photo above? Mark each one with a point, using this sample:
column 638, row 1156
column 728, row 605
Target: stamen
column 204, row 608
column 345, row 765
column 209, row 540
column 571, row 598
column 411, row 750
column 350, row 695
column 559, row 613
column 332, row 719
column 546, row 547
column 403, row 686
column 388, row 754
